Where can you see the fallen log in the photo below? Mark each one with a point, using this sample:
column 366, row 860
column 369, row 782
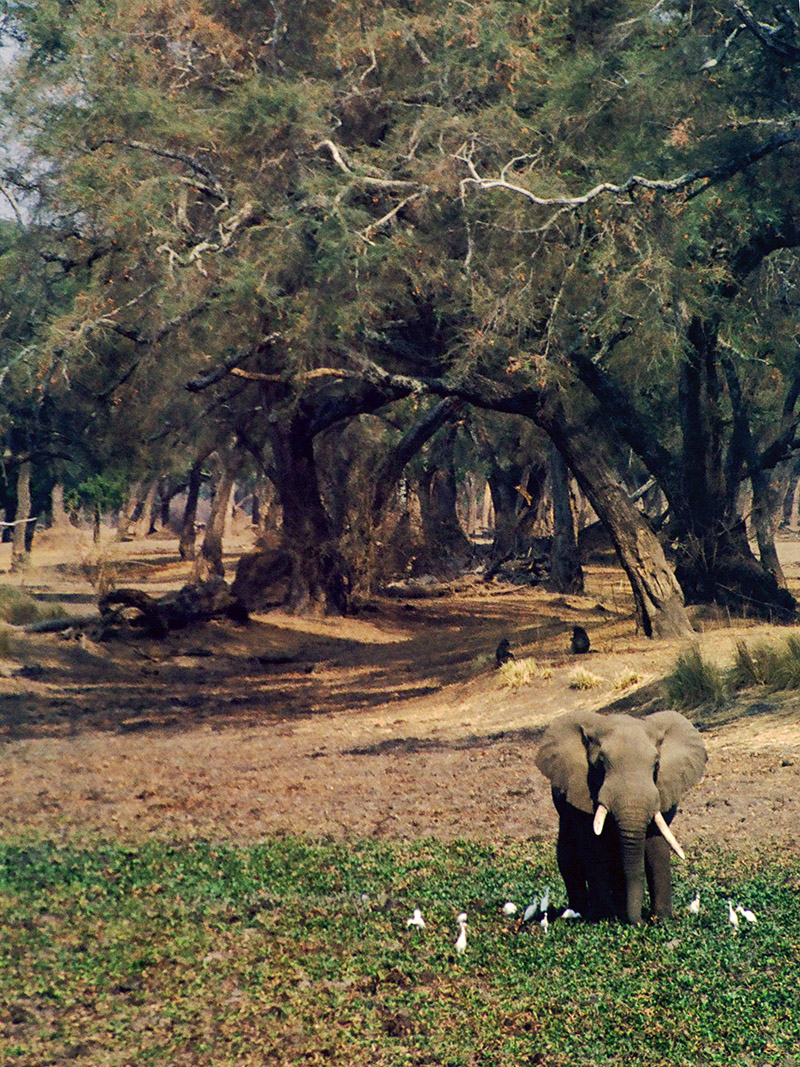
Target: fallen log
column 156, row 616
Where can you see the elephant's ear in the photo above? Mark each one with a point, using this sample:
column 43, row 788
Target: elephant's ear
column 682, row 755
column 562, row 756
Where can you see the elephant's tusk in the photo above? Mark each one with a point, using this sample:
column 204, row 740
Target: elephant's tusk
column 599, row 819
column 668, row 835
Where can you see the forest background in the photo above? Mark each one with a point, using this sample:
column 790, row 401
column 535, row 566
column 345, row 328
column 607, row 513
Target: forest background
column 362, row 258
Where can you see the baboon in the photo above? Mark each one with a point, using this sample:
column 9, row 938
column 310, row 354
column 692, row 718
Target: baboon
column 580, row 641
column 503, row 653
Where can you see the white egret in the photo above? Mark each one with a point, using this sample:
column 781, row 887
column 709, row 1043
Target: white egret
column 509, row 908
column 733, row 918
column 544, row 923
column 746, row 913
column 568, row 913
column 531, row 910
column 416, row 920
column 461, row 940
column 694, row 907
column 545, row 901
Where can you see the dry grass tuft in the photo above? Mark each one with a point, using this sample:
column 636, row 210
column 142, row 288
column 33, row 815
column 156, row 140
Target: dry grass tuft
column 583, row 679
column 519, row 672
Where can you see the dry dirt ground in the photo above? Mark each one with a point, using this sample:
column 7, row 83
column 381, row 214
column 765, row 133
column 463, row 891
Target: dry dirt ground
column 395, row 723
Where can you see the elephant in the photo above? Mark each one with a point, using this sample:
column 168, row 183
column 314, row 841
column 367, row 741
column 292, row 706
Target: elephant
column 616, row 782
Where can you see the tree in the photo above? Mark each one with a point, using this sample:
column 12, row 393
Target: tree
column 450, row 194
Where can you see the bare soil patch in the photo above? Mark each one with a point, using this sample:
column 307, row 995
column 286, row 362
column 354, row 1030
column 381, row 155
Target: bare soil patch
column 394, row 723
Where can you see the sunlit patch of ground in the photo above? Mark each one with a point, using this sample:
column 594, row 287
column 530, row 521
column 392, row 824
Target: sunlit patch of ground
column 395, row 723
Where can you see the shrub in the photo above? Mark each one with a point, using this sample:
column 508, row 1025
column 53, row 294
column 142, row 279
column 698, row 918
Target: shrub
column 694, row 681
column 626, row 679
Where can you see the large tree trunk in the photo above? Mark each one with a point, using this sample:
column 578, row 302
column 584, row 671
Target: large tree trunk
column 658, row 598
column 307, row 572
column 128, row 511
column 19, row 550
column 143, row 523
column 566, row 574
column 713, row 561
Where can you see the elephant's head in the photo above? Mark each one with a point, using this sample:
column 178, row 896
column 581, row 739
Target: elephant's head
column 634, row 769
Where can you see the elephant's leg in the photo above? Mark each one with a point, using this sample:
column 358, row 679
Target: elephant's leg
column 571, row 864
column 659, row 876
column 571, row 851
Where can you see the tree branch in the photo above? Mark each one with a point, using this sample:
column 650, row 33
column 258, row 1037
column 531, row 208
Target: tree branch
column 366, row 179
column 214, row 189
column 775, row 38
column 707, row 175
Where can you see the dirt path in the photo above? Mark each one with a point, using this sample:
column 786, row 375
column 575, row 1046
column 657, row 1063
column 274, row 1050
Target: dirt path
column 391, row 724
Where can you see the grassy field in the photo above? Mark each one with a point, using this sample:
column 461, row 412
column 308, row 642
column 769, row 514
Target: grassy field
column 204, row 954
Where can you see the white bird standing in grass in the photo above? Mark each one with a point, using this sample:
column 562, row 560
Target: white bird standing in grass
column 544, row 923
column 509, row 908
column 694, row 907
column 746, row 913
column 531, row 910
column 568, row 913
column 461, row 940
column 416, row 920
column 733, row 918
column 544, row 903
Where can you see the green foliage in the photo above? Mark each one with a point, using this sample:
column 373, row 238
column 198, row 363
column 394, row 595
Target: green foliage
column 694, row 681
column 296, row 950
column 100, row 492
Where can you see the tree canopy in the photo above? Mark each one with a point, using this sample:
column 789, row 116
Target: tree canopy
column 582, row 215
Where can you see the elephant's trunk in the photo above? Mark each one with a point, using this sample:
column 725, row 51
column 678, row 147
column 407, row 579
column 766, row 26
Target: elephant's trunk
column 632, row 847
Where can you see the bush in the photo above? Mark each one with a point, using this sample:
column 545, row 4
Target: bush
column 693, row 681
column 583, row 679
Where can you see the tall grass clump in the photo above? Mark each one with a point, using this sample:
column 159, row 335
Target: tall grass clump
column 19, row 608
column 768, row 665
column 580, row 678
column 694, row 681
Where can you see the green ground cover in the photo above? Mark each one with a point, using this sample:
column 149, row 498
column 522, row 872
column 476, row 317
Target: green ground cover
column 211, row 954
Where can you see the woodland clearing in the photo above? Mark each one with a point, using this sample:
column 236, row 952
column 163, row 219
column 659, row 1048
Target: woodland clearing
column 391, row 724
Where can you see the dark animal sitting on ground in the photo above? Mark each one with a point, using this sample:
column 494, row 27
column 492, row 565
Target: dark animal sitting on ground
column 503, row 653
column 580, row 641
column 616, row 782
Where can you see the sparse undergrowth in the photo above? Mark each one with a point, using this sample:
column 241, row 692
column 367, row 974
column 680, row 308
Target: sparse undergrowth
column 272, row 954
column 19, row 608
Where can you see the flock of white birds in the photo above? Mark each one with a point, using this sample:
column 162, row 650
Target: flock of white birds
column 539, row 907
